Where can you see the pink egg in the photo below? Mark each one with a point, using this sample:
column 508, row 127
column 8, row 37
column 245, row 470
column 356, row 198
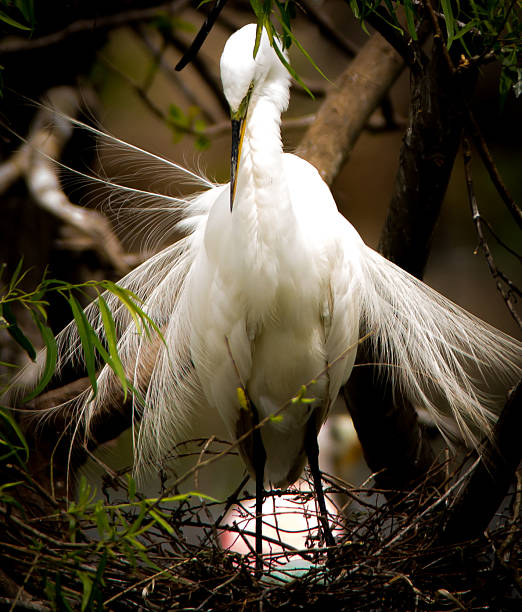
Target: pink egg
column 289, row 518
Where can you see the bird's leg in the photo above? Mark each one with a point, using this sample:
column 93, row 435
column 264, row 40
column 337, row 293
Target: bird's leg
column 253, row 452
column 259, row 468
column 312, row 452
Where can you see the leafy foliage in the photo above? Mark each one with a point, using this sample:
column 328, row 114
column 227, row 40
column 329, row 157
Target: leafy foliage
column 264, row 10
column 18, row 14
column 93, row 347
column 481, row 29
column 119, row 556
column 191, row 122
column 13, row 445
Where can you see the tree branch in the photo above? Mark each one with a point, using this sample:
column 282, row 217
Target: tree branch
column 489, row 164
column 490, row 481
column 49, row 134
column 483, row 243
column 387, row 426
column 426, row 160
column 348, row 106
column 13, row 44
column 327, row 29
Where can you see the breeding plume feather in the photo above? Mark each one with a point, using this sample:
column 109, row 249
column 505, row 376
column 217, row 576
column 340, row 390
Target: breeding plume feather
column 268, row 290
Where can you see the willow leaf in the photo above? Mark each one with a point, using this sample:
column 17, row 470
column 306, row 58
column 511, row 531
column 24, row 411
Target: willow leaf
column 85, row 332
column 51, row 358
column 110, row 334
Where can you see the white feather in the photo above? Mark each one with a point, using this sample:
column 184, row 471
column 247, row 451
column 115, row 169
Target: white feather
column 272, row 296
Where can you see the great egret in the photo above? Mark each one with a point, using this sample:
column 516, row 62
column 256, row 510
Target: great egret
column 267, row 292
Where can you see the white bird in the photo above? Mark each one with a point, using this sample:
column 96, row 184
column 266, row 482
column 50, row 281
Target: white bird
column 268, row 291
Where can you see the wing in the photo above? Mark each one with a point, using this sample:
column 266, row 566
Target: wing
column 160, row 372
column 442, row 357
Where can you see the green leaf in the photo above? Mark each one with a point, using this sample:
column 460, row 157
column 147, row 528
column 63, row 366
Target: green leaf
column 126, row 297
column 449, row 20
column 5, row 364
column 12, row 22
column 257, row 7
column 409, row 11
column 287, row 65
column 183, row 496
column 131, row 487
column 15, row 332
column 469, row 26
column 61, row 602
column 4, row 414
column 86, row 581
column 136, row 543
column 85, row 332
column 355, row 9
column 134, row 529
column 129, row 299
column 286, row 15
column 304, row 51
column 51, row 357
column 159, row 519
column 26, row 7
column 259, row 32
column 110, row 334
column 85, row 495
column 8, row 485
column 102, row 520
column 202, row 143
column 177, row 115
column 16, row 274
column 96, row 593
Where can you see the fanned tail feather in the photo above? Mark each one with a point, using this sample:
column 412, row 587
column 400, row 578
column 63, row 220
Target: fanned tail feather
column 441, row 357
column 160, row 372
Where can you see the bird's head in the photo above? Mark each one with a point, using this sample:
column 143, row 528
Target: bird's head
column 243, row 77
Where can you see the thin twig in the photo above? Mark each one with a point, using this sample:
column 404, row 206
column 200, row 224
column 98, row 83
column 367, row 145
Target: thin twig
column 439, row 37
column 327, row 29
column 15, row 45
column 489, row 164
column 208, row 110
column 483, row 244
column 21, row 590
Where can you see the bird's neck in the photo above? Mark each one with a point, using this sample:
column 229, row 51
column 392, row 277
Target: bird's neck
column 261, row 178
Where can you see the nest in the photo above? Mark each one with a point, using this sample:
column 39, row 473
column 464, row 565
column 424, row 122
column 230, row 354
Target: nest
column 390, row 555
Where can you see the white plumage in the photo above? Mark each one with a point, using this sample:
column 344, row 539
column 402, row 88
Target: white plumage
column 272, row 295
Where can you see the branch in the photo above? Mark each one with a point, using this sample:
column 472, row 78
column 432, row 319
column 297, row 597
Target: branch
column 206, row 74
column 483, row 243
column 14, row 167
column 489, row 164
column 388, row 429
column 348, row 106
column 48, row 136
column 489, row 483
column 109, row 424
column 208, row 110
column 15, row 45
column 426, row 160
column 381, row 21
column 327, row 29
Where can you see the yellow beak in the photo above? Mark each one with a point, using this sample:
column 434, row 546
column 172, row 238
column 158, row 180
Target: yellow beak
column 238, row 133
